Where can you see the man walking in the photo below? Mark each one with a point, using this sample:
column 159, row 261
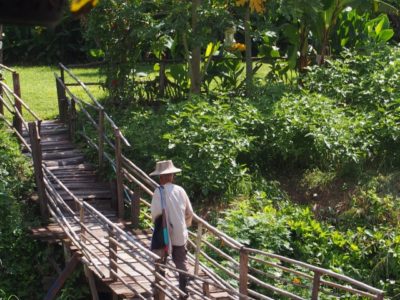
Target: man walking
column 171, row 201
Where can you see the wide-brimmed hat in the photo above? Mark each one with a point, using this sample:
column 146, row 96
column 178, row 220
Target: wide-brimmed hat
column 165, row 167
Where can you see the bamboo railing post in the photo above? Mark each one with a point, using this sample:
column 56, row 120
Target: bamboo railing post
column 243, row 273
column 197, row 250
column 380, row 297
column 119, row 175
column 206, row 289
column 72, row 118
column 62, row 77
column 101, row 138
column 17, row 102
column 135, row 208
column 112, row 254
column 62, row 100
column 315, row 286
column 92, row 283
column 158, row 293
column 82, row 220
column 37, row 164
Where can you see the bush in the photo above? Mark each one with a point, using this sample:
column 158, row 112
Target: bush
column 211, row 141
column 344, row 118
column 274, row 224
column 28, row 45
column 19, row 254
column 208, row 140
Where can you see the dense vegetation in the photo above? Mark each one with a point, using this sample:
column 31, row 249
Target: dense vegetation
column 303, row 159
column 18, row 272
column 330, row 145
column 25, row 270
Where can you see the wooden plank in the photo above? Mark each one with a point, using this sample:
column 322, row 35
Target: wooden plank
column 77, row 185
column 84, row 166
column 49, row 148
column 65, row 162
column 62, row 154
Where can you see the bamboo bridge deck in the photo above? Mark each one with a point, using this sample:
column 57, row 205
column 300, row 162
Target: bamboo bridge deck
column 105, row 225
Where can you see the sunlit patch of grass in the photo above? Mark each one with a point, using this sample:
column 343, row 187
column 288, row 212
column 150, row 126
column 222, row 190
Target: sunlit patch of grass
column 38, row 88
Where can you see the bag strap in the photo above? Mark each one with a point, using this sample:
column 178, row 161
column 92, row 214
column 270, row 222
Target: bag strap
column 164, row 219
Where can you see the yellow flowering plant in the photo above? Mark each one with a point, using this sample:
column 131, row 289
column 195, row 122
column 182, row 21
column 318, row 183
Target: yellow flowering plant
column 257, row 6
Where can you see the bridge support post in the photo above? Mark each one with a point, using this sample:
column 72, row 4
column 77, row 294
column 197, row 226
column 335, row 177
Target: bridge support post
column 206, row 289
column 57, row 285
column 37, row 165
column 315, row 286
column 158, row 293
column 119, row 175
column 62, row 99
column 92, row 283
column 72, row 118
column 112, row 255
column 244, row 273
column 17, row 102
column 135, row 208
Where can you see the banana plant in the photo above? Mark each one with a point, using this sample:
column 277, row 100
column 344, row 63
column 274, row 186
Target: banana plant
column 328, row 17
column 317, row 18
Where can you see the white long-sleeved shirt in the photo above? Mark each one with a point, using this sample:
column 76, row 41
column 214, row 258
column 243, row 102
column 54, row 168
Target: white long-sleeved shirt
column 179, row 212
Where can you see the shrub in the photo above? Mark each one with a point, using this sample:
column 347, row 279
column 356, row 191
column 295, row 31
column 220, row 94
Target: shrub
column 276, row 225
column 64, row 43
column 208, row 139
column 344, row 118
column 19, row 257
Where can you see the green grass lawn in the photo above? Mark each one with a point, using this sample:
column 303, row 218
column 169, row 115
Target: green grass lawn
column 38, row 88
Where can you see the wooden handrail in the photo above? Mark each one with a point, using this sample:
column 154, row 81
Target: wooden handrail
column 20, row 100
column 7, row 68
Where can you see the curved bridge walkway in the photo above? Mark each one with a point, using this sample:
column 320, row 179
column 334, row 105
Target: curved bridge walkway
column 105, row 225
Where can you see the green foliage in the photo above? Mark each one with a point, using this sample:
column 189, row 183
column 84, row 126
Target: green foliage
column 211, row 141
column 18, row 253
column 345, row 116
column 275, row 225
column 206, row 139
column 63, row 43
column 358, row 31
column 127, row 33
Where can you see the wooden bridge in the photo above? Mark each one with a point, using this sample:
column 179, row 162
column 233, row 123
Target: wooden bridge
column 106, row 226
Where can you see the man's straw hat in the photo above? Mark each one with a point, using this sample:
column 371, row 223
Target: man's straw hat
column 165, row 167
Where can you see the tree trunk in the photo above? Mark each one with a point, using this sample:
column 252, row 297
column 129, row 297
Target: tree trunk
column 195, row 87
column 395, row 22
column 247, row 41
column 1, row 44
column 303, row 59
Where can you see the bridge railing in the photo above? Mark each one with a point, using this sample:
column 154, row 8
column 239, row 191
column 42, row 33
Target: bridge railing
column 11, row 104
column 115, row 254
column 251, row 273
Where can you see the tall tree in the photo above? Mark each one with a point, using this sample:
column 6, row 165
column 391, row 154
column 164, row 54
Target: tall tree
column 195, row 74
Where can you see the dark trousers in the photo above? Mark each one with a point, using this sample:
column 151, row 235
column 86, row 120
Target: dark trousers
column 180, row 260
